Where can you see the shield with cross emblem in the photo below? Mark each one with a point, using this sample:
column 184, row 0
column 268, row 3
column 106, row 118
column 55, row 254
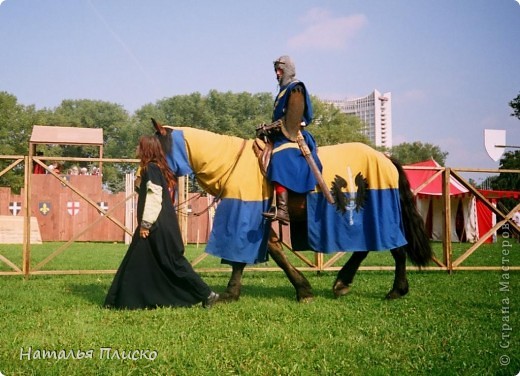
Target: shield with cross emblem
column 103, row 205
column 15, row 207
column 73, row 207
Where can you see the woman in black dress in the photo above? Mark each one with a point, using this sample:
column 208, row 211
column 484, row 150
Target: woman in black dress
column 154, row 271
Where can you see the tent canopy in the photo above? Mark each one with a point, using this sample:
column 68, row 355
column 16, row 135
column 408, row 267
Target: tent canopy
column 462, row 216
column 434, row 188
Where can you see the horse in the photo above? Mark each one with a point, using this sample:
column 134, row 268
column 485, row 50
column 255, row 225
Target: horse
column 369, row 219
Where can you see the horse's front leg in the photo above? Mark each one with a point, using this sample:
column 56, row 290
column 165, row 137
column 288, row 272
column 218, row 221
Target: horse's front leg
column 400, row 287
column 298, row 280
column 234, row 285
column 346, row 274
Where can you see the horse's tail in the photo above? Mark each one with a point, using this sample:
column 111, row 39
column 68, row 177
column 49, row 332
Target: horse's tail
column 419, row 249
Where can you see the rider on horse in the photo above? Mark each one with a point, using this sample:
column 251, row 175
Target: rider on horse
column 288, row 169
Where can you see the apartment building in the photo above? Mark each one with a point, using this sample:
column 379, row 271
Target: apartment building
column 375, row 110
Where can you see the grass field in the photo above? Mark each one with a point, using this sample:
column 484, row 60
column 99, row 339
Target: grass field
column 465, row 323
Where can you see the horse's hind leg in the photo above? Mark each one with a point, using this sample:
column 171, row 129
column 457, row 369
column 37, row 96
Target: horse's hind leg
column 400, row 287
column 232, row 292
column 298, row 280
column 346, row 274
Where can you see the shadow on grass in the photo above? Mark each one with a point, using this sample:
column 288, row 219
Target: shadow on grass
column 263, row 292
column 289, row 293
column 94, row 293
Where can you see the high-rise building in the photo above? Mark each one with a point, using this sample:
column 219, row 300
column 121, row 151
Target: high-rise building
column 375, row 111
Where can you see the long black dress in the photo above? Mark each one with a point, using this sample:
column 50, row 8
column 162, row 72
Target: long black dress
column 154, row 271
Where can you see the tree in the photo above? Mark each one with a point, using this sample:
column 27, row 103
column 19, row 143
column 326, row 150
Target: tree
column 509, row 161
column 508, row 180
column 16, row 123
column 118, row 134
column 515, row 105
column 414, row 152
column 330, row 126
column 224, row 113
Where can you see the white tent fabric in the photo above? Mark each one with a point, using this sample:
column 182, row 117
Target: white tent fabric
column 467, row 231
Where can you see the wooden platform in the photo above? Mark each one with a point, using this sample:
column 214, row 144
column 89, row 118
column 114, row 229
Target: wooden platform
column 11, row 230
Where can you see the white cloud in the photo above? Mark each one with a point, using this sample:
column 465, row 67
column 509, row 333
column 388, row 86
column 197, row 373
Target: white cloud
column 326, row 32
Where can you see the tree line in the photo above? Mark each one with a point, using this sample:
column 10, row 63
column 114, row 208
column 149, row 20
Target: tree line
column 236, row 114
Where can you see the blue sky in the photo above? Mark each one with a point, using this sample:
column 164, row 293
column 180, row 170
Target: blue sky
column 452, row 66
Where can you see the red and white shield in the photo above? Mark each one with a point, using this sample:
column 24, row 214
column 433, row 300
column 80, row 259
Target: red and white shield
column 73, row 207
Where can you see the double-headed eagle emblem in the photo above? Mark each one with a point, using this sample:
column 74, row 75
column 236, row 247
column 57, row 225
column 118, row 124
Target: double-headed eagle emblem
column 355, row 199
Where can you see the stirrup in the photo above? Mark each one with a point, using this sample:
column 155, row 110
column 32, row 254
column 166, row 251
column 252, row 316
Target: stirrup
column 272, row 215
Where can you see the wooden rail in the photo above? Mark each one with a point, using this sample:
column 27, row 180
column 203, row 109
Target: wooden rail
column 448, row 263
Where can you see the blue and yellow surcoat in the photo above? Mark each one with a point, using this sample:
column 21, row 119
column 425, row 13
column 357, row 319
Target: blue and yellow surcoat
column 288, row 166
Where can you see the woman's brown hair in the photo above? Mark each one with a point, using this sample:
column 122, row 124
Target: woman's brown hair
column 150, row 150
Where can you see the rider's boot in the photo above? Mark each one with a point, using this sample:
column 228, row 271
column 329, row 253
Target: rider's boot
column 280, row 212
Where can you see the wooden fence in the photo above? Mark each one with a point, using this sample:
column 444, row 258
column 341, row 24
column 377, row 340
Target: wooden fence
column 94, row 215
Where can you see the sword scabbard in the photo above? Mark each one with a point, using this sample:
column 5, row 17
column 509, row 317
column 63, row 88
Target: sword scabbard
column 314, row 168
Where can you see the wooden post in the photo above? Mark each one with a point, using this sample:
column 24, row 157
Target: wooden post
column 26, row 257
column 318, row 259
column 130, row 205
column 446, row 239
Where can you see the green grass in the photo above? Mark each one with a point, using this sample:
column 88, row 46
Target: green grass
column 107, row 256
column 447, row 324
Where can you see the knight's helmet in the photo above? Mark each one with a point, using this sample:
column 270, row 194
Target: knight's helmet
column 289, row 70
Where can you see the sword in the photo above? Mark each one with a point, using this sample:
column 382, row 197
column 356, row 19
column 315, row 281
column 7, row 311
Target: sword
column 314, row 168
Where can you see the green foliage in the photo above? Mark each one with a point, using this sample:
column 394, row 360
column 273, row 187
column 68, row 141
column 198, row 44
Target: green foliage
column 239, row 115
column 449, row 324
column 16, row 122
column 515, row 105
column 508, row 181
column 118, row 134
column 228, row 113
column 224, row 113
column 330, row 126
column 112, row 118
column 414, row 152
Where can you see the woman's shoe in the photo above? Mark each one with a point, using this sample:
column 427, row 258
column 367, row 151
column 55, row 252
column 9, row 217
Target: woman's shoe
column 210, row 300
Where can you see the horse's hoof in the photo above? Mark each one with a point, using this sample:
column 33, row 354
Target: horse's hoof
column 396, row 294
column 340, row 289
column 306, row 299
column 392, row 295
column 226, row 297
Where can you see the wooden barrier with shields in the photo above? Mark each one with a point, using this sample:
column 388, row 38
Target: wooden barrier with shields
column 88, row 212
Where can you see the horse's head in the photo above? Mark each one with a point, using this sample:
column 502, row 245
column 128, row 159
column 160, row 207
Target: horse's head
column 160, row 130
column 164, row 135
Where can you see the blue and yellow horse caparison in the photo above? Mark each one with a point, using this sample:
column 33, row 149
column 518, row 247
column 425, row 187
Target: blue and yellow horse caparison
column 377, row 211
